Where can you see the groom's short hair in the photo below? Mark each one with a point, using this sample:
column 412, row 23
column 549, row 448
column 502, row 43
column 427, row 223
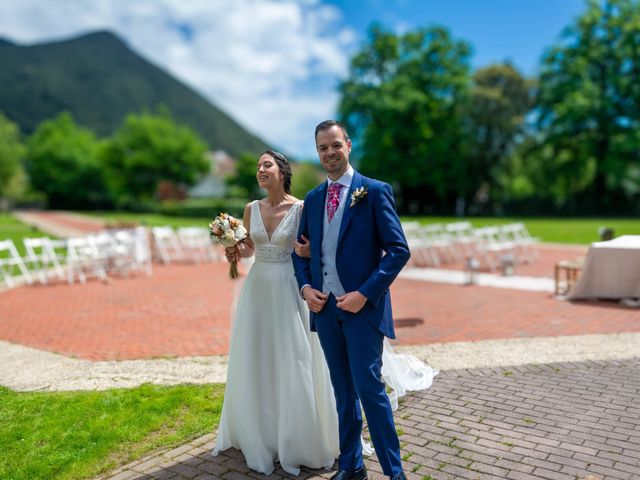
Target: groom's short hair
column 327, row 124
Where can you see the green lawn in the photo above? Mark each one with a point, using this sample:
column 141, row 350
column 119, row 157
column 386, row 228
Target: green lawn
column 153, row 219
column 554, row 230
column 75, row 435
column 12, row 229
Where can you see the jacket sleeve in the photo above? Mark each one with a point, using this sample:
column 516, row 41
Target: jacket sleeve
column 302, row 266
column 394, row 244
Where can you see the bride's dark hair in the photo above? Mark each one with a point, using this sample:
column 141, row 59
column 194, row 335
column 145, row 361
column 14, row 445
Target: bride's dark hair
column 283, row 165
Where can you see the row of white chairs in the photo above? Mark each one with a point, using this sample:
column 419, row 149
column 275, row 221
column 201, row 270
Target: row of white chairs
column 184, row 244
column 444, row 243
column 116, row 251
column 77, row 258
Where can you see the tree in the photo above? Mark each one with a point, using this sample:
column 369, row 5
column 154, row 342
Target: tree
column 588, row 108
column 500, row 99
column 12, row 153
column 148, row 149
column 243, row 181
column 62, row 162
column 404, row 105
column 306, row 177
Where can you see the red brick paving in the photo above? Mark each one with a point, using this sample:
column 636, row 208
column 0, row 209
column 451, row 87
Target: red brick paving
column 449, row 313
column 71, row 220
column 181, row 310
column 184, row 310
column 550, row 254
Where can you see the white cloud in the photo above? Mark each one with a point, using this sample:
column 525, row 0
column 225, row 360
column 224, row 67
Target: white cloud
column 271, row 64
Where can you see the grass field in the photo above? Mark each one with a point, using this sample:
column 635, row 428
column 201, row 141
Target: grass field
column 12, row 229
column 75, row 435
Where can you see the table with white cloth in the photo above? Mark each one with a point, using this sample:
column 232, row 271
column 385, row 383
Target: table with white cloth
column 611, row 270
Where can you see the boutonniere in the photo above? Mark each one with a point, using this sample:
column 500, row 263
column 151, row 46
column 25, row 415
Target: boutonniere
column 358, row 195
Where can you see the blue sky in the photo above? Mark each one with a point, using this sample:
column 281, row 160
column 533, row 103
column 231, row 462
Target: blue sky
column 518, row 30
column 273, row 65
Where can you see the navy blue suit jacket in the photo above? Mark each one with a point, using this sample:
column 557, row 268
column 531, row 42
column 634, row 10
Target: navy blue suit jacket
column 372, row 248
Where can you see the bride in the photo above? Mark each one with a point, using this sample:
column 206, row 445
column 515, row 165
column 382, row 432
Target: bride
column 278, row 402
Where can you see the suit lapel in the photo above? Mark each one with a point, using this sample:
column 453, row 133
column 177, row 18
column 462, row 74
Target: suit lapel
column 317, row 211
column 356, row 182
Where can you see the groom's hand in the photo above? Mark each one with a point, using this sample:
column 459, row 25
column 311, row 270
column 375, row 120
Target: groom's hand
column 315, row 298
column 351, row 302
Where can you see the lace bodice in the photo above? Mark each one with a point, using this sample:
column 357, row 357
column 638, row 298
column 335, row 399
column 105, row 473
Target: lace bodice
column 277, row 249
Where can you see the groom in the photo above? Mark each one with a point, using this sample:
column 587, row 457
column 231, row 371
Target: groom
column 351, row 221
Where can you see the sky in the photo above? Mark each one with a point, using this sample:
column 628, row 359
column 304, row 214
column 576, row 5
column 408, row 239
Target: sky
column 274, row 65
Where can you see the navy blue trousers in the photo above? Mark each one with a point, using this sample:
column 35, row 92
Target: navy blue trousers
column 353, row 349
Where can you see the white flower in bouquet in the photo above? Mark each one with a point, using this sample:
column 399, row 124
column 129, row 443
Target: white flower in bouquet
column 228, row 231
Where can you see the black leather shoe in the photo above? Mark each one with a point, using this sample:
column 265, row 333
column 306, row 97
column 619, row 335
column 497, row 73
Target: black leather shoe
column 399, row 476
column 360, row 474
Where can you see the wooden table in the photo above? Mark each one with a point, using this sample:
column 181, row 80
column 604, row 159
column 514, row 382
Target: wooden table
column 570, row 269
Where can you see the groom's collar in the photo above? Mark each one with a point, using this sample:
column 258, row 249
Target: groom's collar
column 345, row 179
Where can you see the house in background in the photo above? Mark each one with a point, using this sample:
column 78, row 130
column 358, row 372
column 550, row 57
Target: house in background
column 212, row 185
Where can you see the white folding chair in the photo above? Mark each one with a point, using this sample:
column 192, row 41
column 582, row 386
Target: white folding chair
column 491, row 247
column 462, row 237
column 196, row 244
column 12, row 267
column 440, row 241
column 518, row 234
column 167, row 245
column 136, row 241
column 42, row 259
column 422, row 250
column 112, row 255
column 84, row 260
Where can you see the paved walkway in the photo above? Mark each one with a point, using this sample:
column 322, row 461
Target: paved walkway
column 564, row 421
column 60, row 223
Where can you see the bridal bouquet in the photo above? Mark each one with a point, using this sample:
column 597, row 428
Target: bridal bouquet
column 228, row 231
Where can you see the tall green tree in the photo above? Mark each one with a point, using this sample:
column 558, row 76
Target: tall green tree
column 243, row 181
column 147, row 149
column 500, row 100
column 587, row 149
column 306, row 177
column 12, row 153
column 404, row 104
column 62, row 162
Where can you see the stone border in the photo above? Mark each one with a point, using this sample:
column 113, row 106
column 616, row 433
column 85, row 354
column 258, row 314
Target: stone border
column 27, row 369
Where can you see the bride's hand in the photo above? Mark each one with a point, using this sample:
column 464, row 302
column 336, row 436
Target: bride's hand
column 303, row 247
column 232, row 254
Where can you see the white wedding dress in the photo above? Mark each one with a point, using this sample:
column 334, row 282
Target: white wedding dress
column 278, row 402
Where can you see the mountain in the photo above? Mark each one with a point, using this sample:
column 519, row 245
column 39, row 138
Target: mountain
column 99, row 79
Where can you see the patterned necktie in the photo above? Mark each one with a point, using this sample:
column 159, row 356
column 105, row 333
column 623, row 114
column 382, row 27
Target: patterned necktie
column 333, row 202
